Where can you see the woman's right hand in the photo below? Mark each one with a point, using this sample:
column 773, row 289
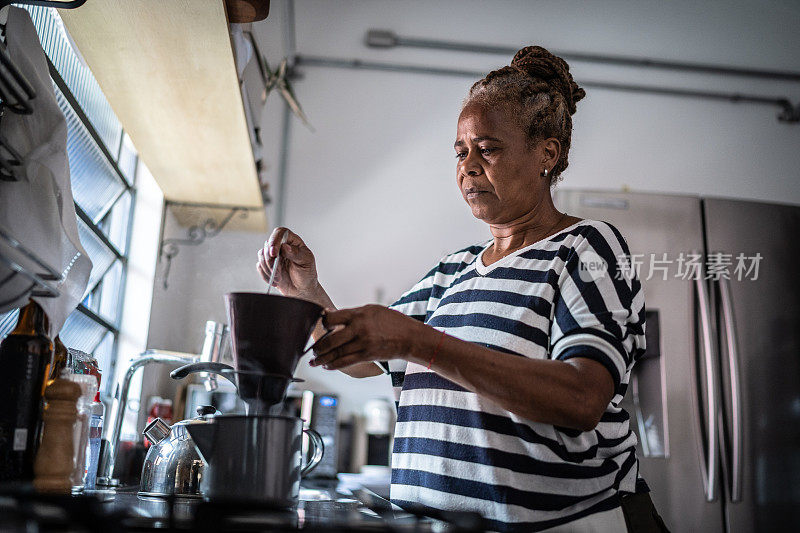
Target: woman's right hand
column 297, row 270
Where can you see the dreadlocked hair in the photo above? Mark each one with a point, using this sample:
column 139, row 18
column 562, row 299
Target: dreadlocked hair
column 539, row 90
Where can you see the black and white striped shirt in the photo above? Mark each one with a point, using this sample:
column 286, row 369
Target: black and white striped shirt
column 565, row 296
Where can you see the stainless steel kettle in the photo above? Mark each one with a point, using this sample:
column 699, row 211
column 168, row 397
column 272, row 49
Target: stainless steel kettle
column 172, row 466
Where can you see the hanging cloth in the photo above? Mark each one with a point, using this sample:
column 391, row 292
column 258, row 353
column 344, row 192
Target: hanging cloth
column 38, row 209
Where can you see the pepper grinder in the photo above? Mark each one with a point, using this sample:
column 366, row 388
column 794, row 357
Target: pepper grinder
column 54, row 461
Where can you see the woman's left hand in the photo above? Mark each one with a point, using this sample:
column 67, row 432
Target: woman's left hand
column 368, row 333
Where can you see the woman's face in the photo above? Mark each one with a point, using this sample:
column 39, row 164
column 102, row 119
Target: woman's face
column 498, row 173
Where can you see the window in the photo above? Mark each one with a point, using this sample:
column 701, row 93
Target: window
column 102, row 163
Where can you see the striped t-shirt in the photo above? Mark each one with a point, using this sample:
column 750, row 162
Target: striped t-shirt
column 566, row 296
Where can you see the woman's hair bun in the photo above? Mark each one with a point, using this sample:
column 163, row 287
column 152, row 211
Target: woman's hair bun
column 538, row 62
column 541, row 94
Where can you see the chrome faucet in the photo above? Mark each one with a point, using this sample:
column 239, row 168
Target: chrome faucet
column 215, row 349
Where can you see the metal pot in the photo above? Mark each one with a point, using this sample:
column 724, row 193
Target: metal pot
column 172, row 466
column 254, row 458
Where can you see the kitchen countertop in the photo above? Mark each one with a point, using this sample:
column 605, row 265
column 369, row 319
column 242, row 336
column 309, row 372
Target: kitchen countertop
column 321, row 508
column 324, row 506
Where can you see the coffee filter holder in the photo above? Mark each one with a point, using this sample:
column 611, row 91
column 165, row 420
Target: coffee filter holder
column 269, row 332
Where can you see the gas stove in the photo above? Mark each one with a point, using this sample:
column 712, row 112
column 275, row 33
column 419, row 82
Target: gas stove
column 322, row 508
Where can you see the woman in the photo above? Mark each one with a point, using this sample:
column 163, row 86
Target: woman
column 509, row 358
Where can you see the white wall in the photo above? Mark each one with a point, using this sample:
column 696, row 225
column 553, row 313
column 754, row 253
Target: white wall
column 200, row 276
column 372, row 189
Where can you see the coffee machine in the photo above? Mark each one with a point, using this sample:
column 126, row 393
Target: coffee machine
column 379, row 421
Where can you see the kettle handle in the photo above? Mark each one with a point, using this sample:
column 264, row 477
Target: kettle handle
column 319, row 451
column 156, row 431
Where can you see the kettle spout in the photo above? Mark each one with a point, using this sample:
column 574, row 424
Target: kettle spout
column 202, row 434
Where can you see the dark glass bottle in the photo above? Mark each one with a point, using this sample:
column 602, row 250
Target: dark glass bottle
column 25, row 358
column 60, row 356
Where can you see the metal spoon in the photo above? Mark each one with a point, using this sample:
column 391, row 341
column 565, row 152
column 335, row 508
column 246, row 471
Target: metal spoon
column 276, row 263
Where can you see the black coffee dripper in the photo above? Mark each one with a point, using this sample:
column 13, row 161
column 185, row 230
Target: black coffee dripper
column 269, row 332
column 268, row 337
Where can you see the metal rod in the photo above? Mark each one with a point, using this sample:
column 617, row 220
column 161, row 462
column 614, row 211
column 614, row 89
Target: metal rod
column 289, row 39
column 388, row 39
column 100, row 278
column 106, row 211
column 319, row 61
column 276, row 263
column 730, row 97
column 637, row 408
column 735, row 389
column 283, row 165
column 97, row 318
column 163, row 229
column 168, row 203
column 49, row 272
column 788, row 112
column 98, row 232
column 119, row 144
column 290, row 50
column 45, row 289
column 709, row 467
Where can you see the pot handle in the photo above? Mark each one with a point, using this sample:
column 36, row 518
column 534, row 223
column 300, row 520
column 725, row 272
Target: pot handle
column 205, row 366
column 319, row 451
column 328, row 332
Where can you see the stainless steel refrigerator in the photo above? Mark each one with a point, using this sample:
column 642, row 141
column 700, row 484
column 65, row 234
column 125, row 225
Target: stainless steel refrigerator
column 715, row 402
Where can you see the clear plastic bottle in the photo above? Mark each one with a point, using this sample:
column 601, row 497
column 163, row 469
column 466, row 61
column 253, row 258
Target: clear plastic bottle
column 82, row 369
column 80, row 436
column 97, row 412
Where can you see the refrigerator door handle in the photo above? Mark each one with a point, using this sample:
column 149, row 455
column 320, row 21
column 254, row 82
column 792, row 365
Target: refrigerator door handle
column 736, row 395
column 711, row 459
column 637, row 408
